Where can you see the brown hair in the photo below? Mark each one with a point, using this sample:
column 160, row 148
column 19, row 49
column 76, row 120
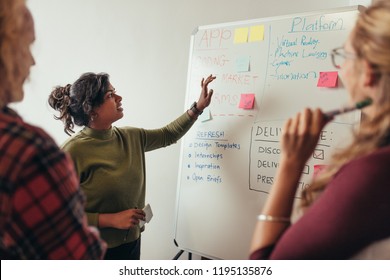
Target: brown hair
column 371, row 41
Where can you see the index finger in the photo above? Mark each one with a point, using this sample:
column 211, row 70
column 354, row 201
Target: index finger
column 208, row 80
column 319, row 120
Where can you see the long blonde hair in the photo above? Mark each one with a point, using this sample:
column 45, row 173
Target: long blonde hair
column 11, row 24
column 371, row 41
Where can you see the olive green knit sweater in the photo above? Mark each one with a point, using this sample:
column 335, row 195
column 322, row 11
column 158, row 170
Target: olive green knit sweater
column 111, row 167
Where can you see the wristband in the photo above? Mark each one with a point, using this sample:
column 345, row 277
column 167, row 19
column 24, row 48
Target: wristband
column 195, row 110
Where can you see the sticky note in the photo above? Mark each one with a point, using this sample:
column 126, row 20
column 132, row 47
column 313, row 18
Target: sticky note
column 256, row 33
column 247, row 101
column 242, row 64
column 148, row 215
column 241, row 35
column 317, row 169
column 206, row 115
column 327, row 79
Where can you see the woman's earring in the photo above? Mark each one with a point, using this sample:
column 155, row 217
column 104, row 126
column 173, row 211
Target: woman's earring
column 93, row 117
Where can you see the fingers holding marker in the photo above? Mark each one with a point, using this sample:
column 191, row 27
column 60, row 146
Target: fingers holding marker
column 319, row 121
column 294, row 125
column 305, row 122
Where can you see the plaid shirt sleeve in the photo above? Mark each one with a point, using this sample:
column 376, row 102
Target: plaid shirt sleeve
column 42, row 207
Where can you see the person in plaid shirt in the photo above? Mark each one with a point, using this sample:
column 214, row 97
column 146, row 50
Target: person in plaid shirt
column 41, row 204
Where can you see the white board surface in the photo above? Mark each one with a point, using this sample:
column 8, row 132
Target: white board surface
column 229, row 157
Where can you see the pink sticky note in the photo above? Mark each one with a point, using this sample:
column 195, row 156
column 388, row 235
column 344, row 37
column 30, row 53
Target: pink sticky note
column 317, row 169
column 327, row 79
column 247, row 101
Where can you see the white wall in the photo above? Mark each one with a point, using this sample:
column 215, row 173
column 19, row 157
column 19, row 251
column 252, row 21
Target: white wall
column 361, row 2
column 144, row 46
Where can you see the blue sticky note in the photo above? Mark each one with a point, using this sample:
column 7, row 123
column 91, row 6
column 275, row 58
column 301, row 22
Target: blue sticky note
column 243, row 64
column 206, row 115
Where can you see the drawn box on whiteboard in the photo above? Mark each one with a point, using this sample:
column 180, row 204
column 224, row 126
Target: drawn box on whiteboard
column 319, row 154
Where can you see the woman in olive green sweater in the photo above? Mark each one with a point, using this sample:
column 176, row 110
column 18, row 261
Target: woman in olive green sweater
column 110, row 161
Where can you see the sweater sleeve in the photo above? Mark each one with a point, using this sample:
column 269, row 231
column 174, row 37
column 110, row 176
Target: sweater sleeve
column 169, row 134
column 93, row 219
column 78, row 159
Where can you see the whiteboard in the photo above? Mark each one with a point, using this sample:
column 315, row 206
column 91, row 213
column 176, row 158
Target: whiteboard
column 229, row 157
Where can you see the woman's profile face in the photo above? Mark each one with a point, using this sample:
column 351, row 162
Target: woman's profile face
column 111, row 110
column 349, row 72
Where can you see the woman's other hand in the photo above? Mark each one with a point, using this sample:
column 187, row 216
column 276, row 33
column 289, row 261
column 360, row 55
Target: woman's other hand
column 122, row 220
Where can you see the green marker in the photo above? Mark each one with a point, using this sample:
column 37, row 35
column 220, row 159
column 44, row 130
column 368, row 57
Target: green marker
column 359, row 105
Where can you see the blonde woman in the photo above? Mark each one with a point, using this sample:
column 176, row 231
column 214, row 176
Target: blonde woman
column 347, row 207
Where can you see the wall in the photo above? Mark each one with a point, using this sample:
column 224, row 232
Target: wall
column 144, row 46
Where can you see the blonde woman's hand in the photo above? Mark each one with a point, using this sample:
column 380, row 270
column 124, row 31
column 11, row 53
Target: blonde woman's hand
column 301, row 134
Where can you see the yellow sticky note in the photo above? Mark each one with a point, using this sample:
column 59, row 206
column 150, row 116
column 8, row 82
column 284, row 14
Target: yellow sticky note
column 256, row 33
column 241, row 35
